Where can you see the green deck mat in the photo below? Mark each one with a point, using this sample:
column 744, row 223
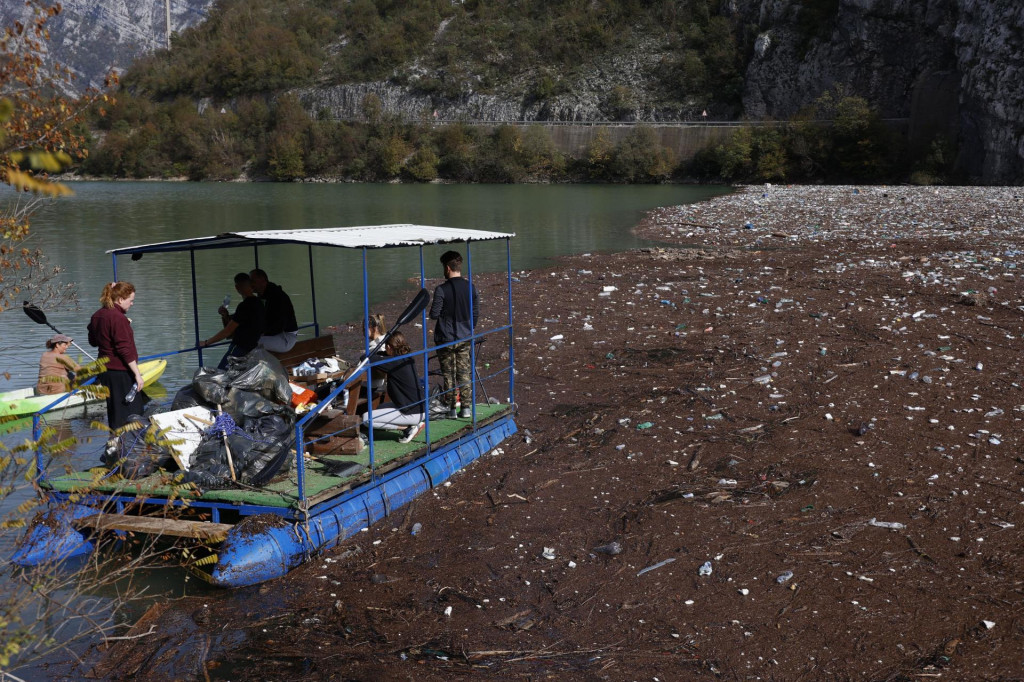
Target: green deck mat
column 283, row 492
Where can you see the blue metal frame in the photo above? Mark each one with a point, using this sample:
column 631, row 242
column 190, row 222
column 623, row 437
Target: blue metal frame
column 300, row 426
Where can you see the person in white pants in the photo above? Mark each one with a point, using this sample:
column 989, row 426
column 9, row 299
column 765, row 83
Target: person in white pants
column 281, row 328
column 405, row 410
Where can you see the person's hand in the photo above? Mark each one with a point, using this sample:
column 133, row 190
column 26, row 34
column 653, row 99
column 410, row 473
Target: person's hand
column 222, row 310
column 138, row 380
column 204, row 343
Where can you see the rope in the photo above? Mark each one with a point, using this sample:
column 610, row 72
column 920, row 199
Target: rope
column 224, row 426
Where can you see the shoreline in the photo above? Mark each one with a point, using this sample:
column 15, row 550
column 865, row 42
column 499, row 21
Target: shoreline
column 762, row 403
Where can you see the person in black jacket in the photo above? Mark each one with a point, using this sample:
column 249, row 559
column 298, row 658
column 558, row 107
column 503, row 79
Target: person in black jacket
column 456, row 308
column 405, row 409
column 281, row 328
column 245, row 326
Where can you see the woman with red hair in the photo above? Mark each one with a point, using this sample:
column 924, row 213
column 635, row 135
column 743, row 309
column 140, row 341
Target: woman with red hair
column 110, row 331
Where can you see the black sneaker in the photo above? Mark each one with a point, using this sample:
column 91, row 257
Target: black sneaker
column 410, row 432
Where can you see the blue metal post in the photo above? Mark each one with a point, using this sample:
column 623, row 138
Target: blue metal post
column 300, row 465
column 426, row 360
column 36, row 433
column 195, row 305
column 369, row 372
column 472, row 338
column 113, row 257
column 312, row 292
column 511, row 329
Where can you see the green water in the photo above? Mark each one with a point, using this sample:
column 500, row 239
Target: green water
column 74, row 232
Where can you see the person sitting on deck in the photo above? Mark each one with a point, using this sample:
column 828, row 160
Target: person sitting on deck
column 244, row 327
column 405, row 409
column 55, row 367
column 376, row 327
column 282, row 328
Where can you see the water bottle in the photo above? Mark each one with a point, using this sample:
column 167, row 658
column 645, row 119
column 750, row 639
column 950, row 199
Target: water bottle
column 131, row 394
column 227, row 300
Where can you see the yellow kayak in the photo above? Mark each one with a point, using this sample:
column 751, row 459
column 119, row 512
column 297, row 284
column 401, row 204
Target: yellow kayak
column 22, row 402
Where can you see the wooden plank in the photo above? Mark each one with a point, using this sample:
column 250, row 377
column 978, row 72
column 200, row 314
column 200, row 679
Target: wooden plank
column 305, row 349
column 157, row 526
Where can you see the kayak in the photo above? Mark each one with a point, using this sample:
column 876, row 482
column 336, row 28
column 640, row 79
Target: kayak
column 22, row 402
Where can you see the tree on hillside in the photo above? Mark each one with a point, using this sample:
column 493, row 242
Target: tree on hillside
column 49, row 606
column 39, row 135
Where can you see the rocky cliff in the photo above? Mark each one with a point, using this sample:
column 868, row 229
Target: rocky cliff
column 94, row 37
column 954, row 68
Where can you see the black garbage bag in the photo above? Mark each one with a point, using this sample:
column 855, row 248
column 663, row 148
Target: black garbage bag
column 262, row 373
column 187, row 397
column 243, row 405
column 135, row 455
column 209, row 470
column 259, row 450
column 271, row 440
column 211, row 385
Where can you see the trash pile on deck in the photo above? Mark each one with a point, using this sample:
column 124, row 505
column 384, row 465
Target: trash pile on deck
column 232, row 425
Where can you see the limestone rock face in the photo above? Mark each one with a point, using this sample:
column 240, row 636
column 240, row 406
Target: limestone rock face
column 953, row 68
column 94, row 37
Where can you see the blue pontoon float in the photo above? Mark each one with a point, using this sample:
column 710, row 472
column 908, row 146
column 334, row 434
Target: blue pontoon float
column 242, row 535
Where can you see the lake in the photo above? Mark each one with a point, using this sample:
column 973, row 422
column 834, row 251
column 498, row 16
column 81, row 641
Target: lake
column 74, row 232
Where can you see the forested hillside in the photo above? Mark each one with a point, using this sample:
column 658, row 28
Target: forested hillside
column 356, row 89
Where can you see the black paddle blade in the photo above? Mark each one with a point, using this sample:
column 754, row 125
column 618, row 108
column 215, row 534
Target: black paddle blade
column 34, row 313
column 415, row 308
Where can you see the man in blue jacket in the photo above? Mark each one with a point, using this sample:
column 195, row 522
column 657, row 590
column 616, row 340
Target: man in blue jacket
column 456, row 307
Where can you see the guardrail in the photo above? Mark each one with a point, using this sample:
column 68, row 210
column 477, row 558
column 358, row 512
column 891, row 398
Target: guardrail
column 694, row 123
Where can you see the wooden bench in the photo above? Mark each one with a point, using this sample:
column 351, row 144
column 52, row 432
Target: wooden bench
column 306, row 349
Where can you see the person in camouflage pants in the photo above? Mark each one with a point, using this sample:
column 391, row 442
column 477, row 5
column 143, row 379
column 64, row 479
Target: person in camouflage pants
column 456, row 307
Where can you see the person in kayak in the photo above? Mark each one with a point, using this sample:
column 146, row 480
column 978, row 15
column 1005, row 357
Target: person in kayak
column 110, row 331
column 56, row 368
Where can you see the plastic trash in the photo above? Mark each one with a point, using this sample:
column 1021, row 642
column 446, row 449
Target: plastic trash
column 654, row 566
column 784, row 577
column 705, row 568
column 611, row 549
column 416, row 528
column 892, row 525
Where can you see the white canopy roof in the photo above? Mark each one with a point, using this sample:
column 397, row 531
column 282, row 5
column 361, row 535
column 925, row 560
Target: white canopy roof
column 369, row 237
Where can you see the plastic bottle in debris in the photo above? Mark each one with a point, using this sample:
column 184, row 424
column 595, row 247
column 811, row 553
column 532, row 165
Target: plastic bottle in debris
column 416, row 528
column 705, row 568
column 784, row 577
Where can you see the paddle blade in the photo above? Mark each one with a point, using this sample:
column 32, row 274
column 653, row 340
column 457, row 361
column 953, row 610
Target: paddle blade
column 34, row 313
column 415, row 308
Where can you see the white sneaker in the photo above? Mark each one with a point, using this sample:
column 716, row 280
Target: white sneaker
column 410, row 432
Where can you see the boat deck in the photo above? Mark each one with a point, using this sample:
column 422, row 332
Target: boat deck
column 283, row 491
